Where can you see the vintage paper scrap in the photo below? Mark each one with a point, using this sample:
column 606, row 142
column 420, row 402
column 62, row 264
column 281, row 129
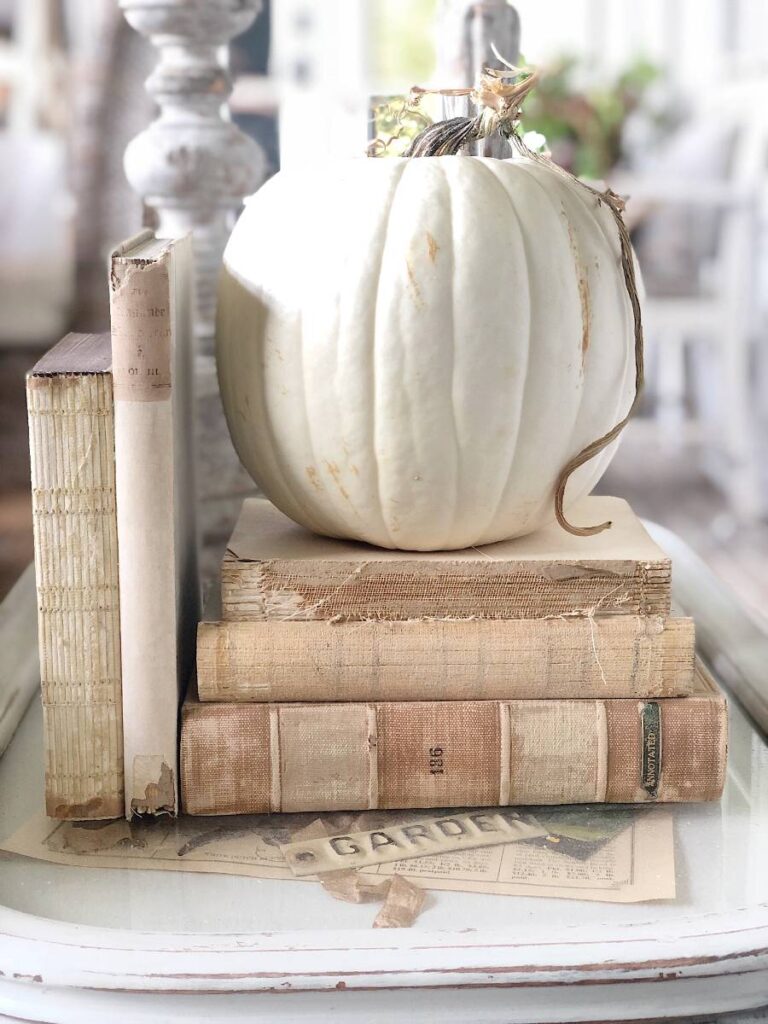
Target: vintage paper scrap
column 637, row 864
column 403, row 900
column 316, row 829
column 402, row 905
column 384, row 844
column 350, row 886
column 347, row 885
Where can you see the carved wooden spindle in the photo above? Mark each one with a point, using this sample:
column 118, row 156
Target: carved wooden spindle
column 192, row 165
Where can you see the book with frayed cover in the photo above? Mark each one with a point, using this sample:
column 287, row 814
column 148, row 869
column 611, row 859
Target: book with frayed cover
column 258, row 758
column 276, row 570
column 446, row 659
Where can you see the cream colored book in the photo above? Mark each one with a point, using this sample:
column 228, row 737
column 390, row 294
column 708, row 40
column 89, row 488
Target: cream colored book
column 449, row 659
column 274, row 569
column 262, row 758
column 72, row 454
column 151, row 301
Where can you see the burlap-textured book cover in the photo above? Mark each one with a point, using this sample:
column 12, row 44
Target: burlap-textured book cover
column 253, row 758
column 72, row 451
column 469, row 659
column 274, row 569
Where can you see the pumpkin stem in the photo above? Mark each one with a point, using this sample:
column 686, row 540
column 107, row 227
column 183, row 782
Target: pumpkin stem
column 499, row 103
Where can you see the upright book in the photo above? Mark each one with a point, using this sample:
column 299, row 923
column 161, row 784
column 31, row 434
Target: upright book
column 72, row 454
column 276, row 570
column 255, row 758
column 159, row 591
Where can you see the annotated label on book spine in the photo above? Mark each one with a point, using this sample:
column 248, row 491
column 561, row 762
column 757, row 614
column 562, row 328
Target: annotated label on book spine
column 141, row 331
column 650, row 718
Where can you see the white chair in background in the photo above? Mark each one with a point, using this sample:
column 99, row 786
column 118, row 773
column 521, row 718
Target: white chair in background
column 37, row 261
column 715, row 195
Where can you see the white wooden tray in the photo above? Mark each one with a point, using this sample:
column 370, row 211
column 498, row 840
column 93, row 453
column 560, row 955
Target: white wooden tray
column 83, row 946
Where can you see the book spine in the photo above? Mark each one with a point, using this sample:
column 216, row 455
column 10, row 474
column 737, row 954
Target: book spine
column 71, row 431
column 615, row 656
column 259, row 758
column 146, row 370
column 301, row 590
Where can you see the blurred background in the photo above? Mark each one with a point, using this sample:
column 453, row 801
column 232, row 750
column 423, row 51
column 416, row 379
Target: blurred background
column 665, row 100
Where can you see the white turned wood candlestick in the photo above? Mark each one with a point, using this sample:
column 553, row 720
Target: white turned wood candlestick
column 192, row 165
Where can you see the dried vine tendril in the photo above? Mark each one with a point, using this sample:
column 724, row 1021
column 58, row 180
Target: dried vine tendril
column 498, row 95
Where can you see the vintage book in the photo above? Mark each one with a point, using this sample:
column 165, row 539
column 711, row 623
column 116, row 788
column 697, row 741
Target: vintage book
column 255, row 758
column 72, row 453
column 274, row 569
column 456, row 659
column 150, row 298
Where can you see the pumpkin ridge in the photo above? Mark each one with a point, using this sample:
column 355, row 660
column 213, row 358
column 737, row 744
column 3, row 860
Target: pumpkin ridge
column 490, row 168
column 287, row 495
column 339, row 508
column 613, row 242
column 610, row 234
column 320, row 513
column 373, row 361
column 628, row 267
column 529, row 169
column 459, row 454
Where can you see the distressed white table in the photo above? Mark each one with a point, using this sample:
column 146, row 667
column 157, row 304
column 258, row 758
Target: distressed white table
column 81, row 946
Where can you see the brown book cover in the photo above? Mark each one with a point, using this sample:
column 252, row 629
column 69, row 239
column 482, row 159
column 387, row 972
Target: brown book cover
column 258, row 758
column 274, row 569
column 72, row 450
column 450, row 659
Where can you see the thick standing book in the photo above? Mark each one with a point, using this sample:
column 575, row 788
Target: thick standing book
column 274, row 569
column 258, row 758
column 72, row 454
column 448, row 659
column 150, row 299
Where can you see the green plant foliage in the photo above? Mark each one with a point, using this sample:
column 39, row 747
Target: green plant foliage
column 397, row 120
column 583, row 124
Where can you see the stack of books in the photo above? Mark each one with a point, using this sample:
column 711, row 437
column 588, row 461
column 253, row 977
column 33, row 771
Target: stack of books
column 333, row 675
column 541, row 670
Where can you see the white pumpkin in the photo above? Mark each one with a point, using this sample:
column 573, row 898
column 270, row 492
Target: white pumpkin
column 410, row 350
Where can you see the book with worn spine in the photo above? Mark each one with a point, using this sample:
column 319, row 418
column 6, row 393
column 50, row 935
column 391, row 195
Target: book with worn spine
column 469, row 659
column 150, row 302
column 72, row 452
column 257, row 758
column 276, row 570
